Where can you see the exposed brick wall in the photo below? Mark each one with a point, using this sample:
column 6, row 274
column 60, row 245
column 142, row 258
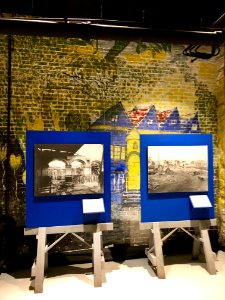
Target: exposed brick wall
column 67, row 84
column 220, row 92
column 3, row 107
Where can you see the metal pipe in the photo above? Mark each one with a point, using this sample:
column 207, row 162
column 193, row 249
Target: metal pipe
column 220, row 22
column 7, row 175
column 96, row 29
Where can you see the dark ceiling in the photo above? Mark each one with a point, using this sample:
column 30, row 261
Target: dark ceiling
column 176, row 14
column 192, row 22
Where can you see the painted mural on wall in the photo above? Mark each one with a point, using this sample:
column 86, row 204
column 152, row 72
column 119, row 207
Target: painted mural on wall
column 125, row 128
column 13, row 175
column 126, row 88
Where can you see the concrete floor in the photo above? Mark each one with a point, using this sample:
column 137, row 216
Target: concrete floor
column 131, row 279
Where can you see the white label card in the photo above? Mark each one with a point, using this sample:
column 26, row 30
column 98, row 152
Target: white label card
column 200, row 201
column 91, row 206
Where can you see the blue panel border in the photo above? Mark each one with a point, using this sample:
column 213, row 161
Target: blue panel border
column 174, row 206
column 65, row 210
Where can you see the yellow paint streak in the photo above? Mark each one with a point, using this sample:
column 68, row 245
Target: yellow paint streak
column 15, row 161
column 207, row 73
column 24, row 176
column 133, row 180
column 55, row 120
column 221, row 198
column 108, row 127
column 133, row 135
column 144, row 131
column 87, row 50
column 147, row 55
column 37, row 124
column 170, row 92
column 3, row 153
column 133, row 163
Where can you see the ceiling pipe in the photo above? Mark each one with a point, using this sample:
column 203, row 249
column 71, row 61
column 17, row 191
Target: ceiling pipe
column 220, row 22
column 193, row 50
column 7, row 164
column 109, row 30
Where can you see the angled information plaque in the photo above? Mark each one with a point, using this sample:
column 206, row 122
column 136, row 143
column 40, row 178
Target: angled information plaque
column 92, row 206
column 200, row 201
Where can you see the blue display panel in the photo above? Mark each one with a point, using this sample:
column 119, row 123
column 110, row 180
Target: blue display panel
column 54, row 194
column 174, row 167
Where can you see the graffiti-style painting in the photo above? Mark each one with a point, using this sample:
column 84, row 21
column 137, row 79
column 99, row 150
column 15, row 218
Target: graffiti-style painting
column 125, row 126
column 68, row 169
column 177, row 169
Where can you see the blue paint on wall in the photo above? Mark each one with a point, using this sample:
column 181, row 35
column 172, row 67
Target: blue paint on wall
column 115, row 116
column 118, row 137
column 150, row 121
column 191, row 125
column 172, row 123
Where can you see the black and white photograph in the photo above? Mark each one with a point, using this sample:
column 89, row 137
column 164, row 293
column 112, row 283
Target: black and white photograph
column 68, row 169
column 177, row 169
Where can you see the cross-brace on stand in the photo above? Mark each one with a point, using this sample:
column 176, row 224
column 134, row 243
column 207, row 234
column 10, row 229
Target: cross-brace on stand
column 155, row 253
column 41, row 262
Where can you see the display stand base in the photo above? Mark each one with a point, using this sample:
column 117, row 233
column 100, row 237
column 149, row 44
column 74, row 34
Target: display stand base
column 155, row 252
column 41, row 262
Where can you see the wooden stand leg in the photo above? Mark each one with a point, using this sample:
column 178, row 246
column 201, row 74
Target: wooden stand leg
column 209, row 255
column 150, row 253
column 151, row 239
column 155, row 250
column 40, row 260
column 97, row 259
column 46, row 258
column 103, row 268
column 196, row 245
column 158, row 251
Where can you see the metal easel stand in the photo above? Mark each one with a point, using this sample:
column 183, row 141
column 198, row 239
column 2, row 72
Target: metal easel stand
column 41, row 262
column 155, row 252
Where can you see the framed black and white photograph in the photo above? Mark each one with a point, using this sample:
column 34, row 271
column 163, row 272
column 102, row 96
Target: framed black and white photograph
column 177, row 169
column 68, row 169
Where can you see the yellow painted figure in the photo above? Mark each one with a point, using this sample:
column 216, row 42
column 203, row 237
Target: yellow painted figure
column 133, row 160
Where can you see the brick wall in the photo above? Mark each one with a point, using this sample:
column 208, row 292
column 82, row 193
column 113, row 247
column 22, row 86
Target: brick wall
column 72, row 84
column 220, row 79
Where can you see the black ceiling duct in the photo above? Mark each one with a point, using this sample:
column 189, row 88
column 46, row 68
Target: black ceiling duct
column 105, row 29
